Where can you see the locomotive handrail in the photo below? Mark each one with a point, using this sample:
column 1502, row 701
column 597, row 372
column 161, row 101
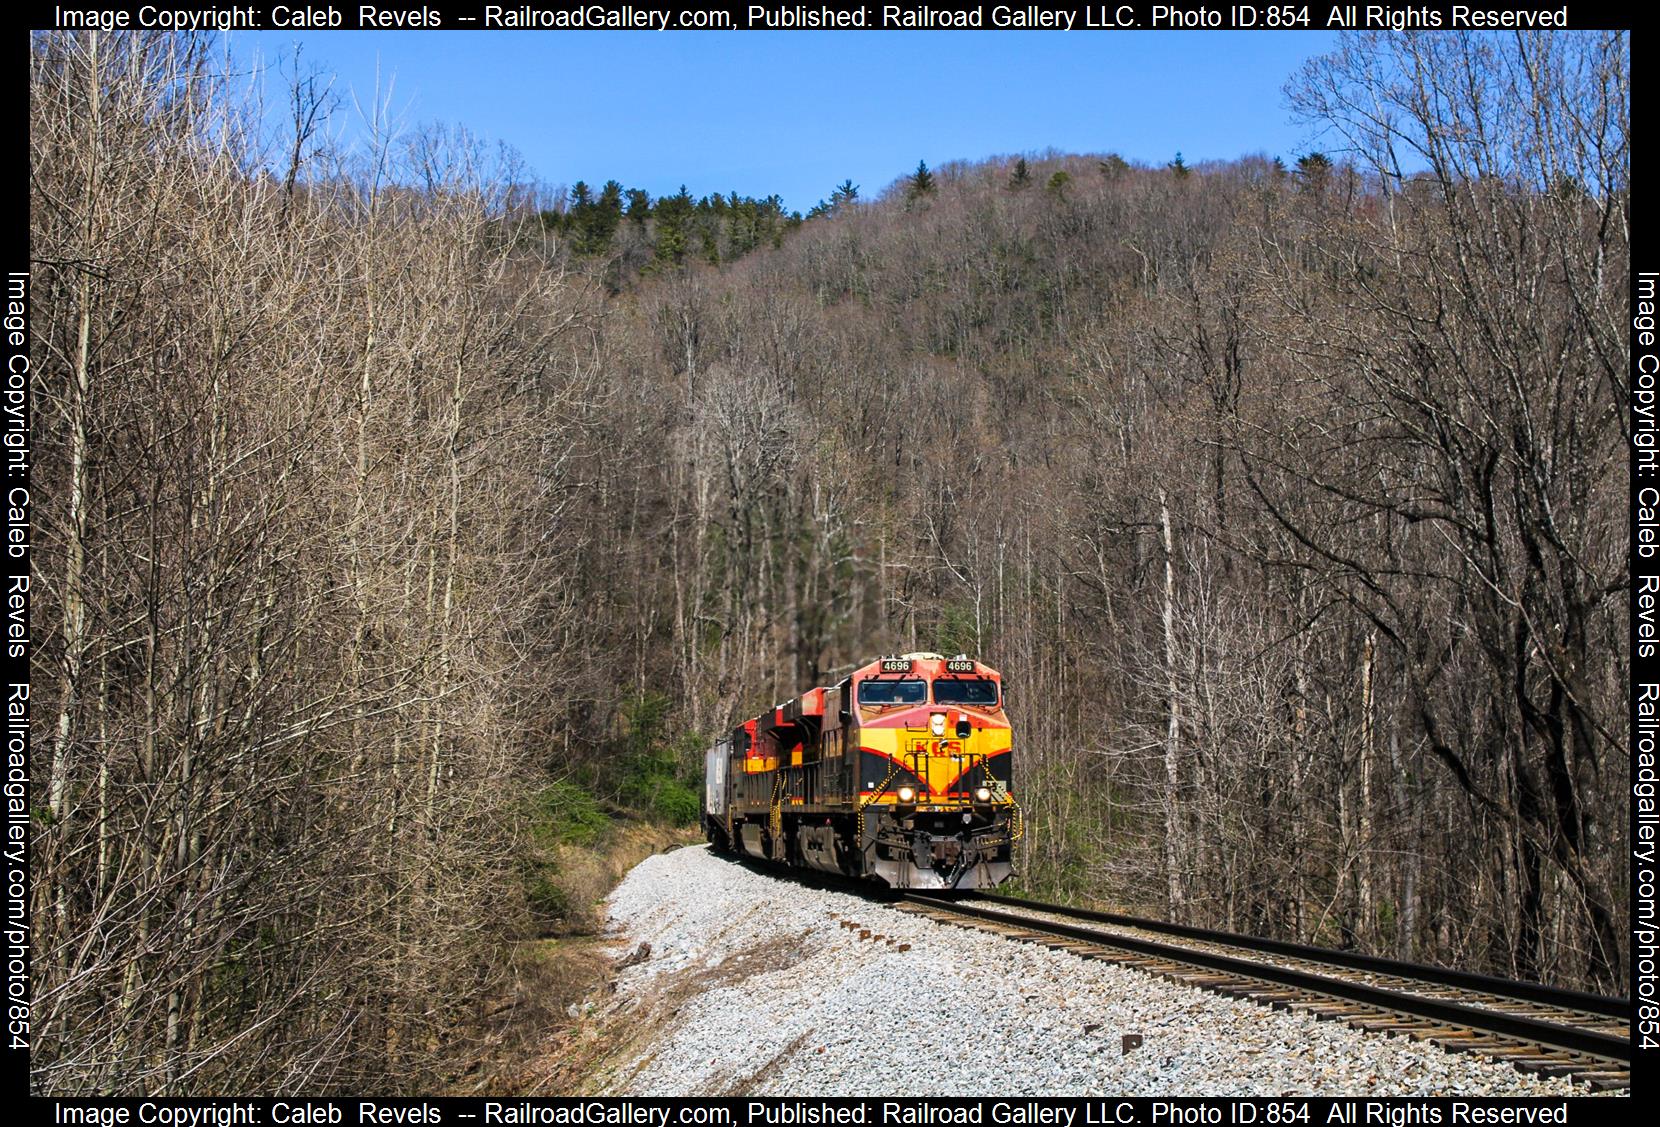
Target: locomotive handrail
column 865, row 802
column 965, row 761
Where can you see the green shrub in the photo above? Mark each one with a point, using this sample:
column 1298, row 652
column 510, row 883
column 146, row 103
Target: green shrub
column 675, row 802
column 548, row 900
column 659, row 774
column 564, row 814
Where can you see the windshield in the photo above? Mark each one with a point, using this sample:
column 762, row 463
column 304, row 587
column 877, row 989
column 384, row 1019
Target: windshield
column 976, row 691
column 892, row 692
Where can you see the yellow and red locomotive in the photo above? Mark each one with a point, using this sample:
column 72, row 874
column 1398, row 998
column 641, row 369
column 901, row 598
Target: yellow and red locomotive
column 899, row 773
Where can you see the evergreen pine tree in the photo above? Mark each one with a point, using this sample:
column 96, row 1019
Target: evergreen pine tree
column 1314, row 171
column 847, row 192
column 922, row 181
column 599, row 220
column 1022, row 175
column 639, row 206
column 674, row 220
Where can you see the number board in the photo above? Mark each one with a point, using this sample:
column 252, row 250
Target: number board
column 895, row 665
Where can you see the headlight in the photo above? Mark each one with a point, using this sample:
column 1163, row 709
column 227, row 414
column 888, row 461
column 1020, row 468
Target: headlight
column 936, row 723
column 983, row 794
column 907, row 794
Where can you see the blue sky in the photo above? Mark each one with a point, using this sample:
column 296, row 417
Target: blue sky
column 798, row 112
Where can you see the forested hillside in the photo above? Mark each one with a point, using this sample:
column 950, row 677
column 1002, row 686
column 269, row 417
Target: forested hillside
column 392, row 515
column 635, row 235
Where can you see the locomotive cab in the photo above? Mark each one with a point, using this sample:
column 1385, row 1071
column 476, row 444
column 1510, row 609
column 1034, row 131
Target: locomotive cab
column 935, row 750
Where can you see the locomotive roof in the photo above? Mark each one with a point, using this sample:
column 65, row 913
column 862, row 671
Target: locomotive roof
column 811, row 701
column 931, row 663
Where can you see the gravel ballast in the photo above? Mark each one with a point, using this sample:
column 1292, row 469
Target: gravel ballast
column 751, row 984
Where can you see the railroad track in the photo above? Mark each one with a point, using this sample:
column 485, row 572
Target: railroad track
column 1538, row 1029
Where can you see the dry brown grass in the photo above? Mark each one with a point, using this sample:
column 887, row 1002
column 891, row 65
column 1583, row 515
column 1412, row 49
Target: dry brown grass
column 535, row 1044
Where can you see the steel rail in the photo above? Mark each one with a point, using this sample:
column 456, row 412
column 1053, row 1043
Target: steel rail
column 1603, row 1045
column 1599, row 1004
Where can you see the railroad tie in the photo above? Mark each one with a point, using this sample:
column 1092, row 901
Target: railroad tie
column 1602, row 1081
column 1468, row 1042
column 1540, row 1066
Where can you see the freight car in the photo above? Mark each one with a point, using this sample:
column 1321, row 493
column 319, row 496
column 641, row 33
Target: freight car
column 898, row 773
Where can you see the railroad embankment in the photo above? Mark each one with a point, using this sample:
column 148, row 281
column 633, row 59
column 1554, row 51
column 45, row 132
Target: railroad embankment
column 730, row 981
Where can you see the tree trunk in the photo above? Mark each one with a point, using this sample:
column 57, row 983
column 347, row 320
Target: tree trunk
column 1175, row 846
